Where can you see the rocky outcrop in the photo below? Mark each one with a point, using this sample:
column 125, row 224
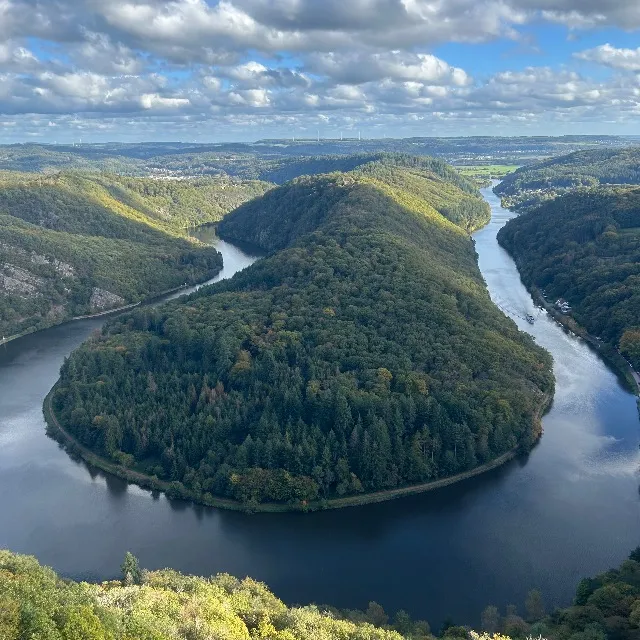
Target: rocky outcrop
column 101, row 299
column 14, row 279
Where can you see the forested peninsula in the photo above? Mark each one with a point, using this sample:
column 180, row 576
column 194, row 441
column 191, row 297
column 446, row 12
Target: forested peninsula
column 363, row 354
column 584, row 247
column 74, row 244
column 167, row 605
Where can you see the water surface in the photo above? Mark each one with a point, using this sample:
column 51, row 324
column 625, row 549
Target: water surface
column 570, row 509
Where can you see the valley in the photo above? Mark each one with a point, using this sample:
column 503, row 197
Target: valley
column 75, row 244
column 554, row 505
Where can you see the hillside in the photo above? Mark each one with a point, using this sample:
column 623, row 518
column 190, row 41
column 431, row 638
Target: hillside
column 536, row 183
column 364, row 354
column 159, row 605
column 424, row 182
column 74, row 244
column 585, row 247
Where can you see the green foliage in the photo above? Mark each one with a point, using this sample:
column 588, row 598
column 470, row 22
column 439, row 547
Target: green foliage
column 490, row 619
column 585, row 248
column 483, row 174
column 363, row 354
column 131, row 573
column 64, row 236
column 35, row 603
column 536, row 183
column 166, row 605
column 281, row 160
column 607, row 606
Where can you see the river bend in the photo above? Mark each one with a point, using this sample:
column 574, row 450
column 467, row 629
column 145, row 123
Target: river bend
column 570, row 509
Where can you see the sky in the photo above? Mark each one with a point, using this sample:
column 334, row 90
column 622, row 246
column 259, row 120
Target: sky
column 223, row 70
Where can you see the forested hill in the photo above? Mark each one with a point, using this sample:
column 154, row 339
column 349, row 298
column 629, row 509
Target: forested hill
column 167, row 605
column 285, row 169
column 428, row 183
column 534, row 183
column 73, row 244
column 364, row 355
column 107, row 205
column 585, row 247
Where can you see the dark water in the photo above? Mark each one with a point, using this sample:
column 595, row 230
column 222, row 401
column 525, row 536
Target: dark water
column 570, row 510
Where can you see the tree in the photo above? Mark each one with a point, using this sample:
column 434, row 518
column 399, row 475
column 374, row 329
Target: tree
column 9, row 619
column 131, row 573
column 402, row 622
column 490, row 619
column 376, row 615
column 515, row 626
column 83, row 624
column 534, row 605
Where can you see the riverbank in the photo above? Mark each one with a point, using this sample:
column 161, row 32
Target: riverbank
column 109, row 312
column 615, row 360
column 177, row 490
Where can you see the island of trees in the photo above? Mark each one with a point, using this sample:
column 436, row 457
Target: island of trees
column 362, row 355
column 76, row 244
column 167, row 605
column 584, row 247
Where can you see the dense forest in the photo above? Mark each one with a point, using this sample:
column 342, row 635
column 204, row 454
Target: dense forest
column 363, row 354
column 585, row 247
column 73, row 244
column 535, row 183
column 159, row 605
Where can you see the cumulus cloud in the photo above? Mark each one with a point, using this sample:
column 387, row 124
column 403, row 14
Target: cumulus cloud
column 188, row 30
column 358, row 68
column 254, row 74
column 85, row 92
column 17, row 58
column 295, row 63
column 100, row 54
column 610, row 56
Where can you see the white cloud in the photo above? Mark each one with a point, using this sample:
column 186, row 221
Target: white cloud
column 295, row 63
column 100, row 54
column 357, row 68
column 610, row 56
column 17, row 58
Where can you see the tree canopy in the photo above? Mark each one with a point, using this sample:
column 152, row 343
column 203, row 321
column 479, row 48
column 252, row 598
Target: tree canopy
column 73, row 244
column 363, row 354
column 538, row 182
column 585, row 247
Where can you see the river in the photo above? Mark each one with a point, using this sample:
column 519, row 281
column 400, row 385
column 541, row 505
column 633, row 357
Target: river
column 569, row 510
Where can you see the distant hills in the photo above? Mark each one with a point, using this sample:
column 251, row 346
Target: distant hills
column 363, row 354
column 271, row 160
column 535, row 183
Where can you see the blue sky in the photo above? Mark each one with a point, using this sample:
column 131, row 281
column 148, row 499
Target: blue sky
column 214, row 70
